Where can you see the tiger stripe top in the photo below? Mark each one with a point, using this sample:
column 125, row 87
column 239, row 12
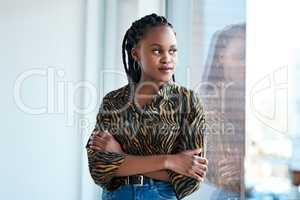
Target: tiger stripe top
column 172, row 122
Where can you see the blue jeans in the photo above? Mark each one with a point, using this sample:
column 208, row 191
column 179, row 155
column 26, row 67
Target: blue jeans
column 155, row 190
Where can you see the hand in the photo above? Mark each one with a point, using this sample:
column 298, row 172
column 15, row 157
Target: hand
column 104, row 141
column 188, row 163
column 229, row 172
column 296, row 177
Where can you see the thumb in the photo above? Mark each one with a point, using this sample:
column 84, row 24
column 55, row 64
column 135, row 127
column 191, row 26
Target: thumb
column 194, row 151
column 105, row 133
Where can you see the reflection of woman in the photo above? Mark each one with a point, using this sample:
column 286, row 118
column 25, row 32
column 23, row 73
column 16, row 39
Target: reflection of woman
column 224, row 89
column 139, row 148
column 295, row 168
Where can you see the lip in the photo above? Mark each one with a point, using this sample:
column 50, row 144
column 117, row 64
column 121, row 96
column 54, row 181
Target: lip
column 165, row 67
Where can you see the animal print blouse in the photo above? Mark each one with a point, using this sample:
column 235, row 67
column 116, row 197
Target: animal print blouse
column 172, row 122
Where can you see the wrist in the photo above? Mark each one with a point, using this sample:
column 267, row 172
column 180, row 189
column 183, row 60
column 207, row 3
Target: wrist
column 167, row 161
column 121, row 151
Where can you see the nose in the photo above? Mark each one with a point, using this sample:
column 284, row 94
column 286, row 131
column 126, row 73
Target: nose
column 166, row 57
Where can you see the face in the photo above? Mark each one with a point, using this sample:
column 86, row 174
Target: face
column 157, row 55
column 233, row 59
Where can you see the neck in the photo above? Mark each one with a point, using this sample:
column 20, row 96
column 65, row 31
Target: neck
column 147, row 86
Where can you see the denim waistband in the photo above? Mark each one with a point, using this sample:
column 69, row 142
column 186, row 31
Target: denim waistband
column 134, row 180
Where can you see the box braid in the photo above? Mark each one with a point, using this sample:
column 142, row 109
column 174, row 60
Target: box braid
column 132, row 36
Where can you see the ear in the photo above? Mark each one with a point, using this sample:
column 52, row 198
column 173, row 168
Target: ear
column 135, row 53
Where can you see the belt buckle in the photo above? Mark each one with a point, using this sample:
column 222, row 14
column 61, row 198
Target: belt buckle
column 141, row 183
column 140, row 177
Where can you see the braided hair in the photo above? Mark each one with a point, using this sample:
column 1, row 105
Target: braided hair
column 132, row 36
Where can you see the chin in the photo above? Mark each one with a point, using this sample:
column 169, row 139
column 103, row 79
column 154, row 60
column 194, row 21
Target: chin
column 161, row 78
column 165, row 79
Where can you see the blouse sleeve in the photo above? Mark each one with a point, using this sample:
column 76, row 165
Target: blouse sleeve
column 103, row 165
column 192, row 137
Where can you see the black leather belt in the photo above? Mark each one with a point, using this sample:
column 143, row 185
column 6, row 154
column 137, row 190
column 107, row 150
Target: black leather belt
column 138, row 180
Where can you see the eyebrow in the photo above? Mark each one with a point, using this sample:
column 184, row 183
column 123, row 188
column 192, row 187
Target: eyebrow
column 156, row 44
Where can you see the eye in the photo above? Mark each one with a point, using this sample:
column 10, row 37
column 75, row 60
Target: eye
column 173, row 51
column 156, row 51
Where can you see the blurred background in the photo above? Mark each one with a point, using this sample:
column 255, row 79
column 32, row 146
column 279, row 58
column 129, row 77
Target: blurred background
column 272, row 108
column 59, row 58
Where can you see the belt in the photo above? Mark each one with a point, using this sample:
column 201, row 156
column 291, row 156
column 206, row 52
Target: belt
column 138, row 180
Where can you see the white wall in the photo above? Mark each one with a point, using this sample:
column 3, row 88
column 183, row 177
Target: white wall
column 40, row 154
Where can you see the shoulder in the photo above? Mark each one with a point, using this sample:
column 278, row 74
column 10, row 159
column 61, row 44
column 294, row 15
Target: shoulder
column 188, row 100
column 120, row 92
column 187, row 95
column 116, row 98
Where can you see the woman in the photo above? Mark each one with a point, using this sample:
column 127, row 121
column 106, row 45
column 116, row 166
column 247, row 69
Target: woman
column 149, row 134
column 224, row 97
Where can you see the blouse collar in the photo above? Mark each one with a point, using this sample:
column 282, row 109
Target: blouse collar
column 162, row 92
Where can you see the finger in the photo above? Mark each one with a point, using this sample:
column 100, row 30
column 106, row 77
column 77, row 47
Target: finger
column 231, row 180
column 101, row 139
column 101, row 133
column 95, row 133
column 92, row 136
column 225, row 161
column 228, row 166
column 197, row 151
column 108, row 136
column 200, row 168
column 199, row 171
column 193, row 151
column 106, row 133
column 230, row 176
column 96, row 148
column 229, row 173
column 197, row 177
column 201, row 160
column 191, row 173
column 98, row 143
column 201, row 174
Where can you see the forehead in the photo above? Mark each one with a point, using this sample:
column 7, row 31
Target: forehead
column 162, row 35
